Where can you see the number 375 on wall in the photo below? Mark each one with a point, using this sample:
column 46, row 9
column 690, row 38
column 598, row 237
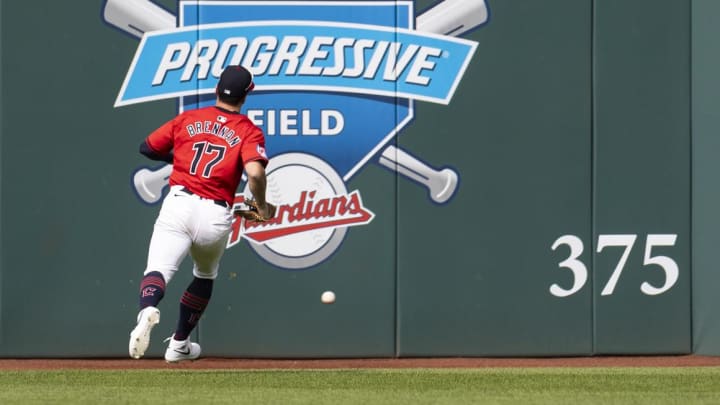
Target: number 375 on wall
column 580, row 271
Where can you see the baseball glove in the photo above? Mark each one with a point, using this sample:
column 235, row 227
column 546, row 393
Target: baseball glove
column 248, row 209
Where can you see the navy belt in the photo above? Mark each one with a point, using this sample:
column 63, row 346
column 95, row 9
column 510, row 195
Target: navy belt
column 221, row 203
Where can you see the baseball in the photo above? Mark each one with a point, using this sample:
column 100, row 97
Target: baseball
column 328, row 297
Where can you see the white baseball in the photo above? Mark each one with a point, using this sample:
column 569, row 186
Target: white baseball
column 328, row 297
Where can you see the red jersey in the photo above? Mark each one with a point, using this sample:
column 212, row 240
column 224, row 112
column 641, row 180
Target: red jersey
column 210, row 148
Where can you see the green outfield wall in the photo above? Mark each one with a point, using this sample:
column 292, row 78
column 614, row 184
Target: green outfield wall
column 538, row 181
column 705, row 124
column 641, row 167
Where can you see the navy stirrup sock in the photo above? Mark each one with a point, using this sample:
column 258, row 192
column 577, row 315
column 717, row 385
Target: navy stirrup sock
column 152, row 289
column 192, row 304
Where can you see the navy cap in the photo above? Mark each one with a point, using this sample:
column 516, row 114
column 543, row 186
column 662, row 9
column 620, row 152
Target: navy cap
column 235, row 81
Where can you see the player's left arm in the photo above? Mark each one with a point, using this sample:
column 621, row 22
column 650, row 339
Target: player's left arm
column 159, row 144
column 146, row 150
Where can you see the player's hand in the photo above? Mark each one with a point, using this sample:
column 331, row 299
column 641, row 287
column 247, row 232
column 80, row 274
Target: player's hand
column 251, row 210
column 266, row 211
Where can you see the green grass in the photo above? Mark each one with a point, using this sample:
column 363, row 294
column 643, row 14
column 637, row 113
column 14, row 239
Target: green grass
column 367, row 387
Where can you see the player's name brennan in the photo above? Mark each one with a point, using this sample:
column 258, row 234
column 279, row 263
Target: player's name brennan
column 307, row 208
column 213, row 128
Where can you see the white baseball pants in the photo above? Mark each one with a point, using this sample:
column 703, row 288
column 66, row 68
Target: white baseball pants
column 188, row 223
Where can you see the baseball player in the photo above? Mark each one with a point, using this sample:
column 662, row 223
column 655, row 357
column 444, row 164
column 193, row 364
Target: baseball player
column 209, row 148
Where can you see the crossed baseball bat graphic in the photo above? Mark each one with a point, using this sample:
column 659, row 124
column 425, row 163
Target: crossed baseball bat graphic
column 449, row 17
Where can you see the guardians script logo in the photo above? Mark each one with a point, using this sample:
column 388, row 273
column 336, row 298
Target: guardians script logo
column 335, row 82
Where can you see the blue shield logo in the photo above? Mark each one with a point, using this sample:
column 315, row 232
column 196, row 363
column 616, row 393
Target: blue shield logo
column 335, row 81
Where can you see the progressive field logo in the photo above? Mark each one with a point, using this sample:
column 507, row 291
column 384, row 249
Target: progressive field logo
column 335, row 82
column 319, row 56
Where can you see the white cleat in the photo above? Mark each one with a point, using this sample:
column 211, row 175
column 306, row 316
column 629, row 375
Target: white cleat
column 140, row 336
column 181, row 350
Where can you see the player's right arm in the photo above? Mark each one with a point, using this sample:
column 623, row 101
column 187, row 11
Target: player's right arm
column 257, row 183
column 254, row 161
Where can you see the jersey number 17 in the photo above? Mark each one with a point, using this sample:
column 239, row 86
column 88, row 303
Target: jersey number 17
column 216, row 153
